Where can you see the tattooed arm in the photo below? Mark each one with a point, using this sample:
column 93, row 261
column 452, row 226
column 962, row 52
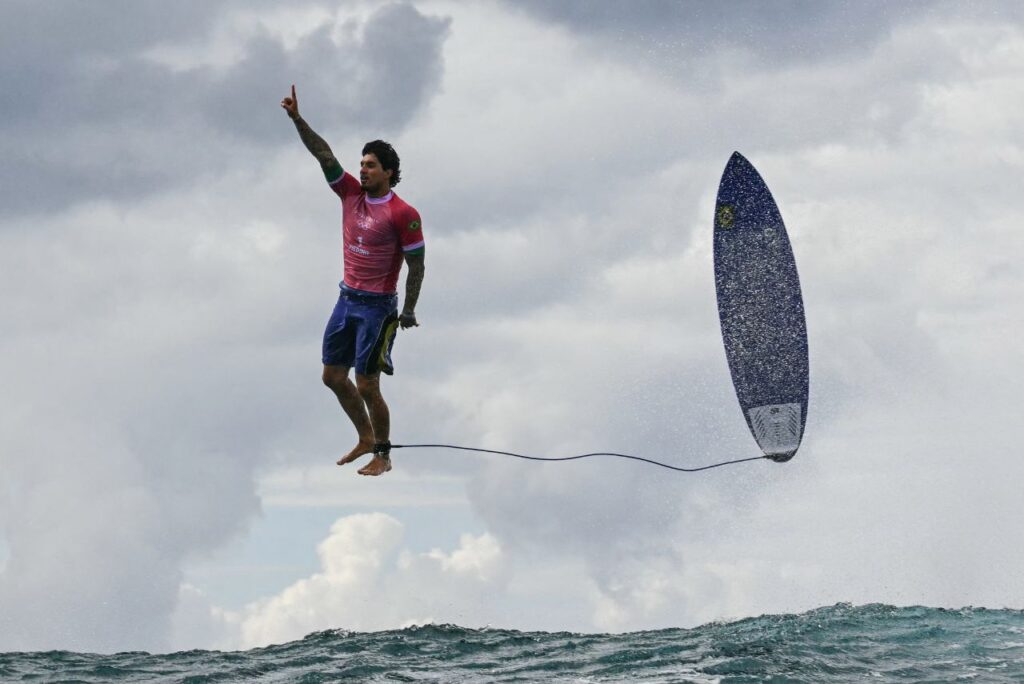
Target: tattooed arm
column 317, row 146
column 413, row 281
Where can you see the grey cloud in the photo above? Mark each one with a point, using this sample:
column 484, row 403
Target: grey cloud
column 94, row 117
column 142, row 412
column 100, row 508
column 793, row 28
column 785, row 31
column 63, row 64
column 375, row 78
column 401, row 52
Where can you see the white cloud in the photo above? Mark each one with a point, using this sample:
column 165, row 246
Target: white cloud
column 367, row 581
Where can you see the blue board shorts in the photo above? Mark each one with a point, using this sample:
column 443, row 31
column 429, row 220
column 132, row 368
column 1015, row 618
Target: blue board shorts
column 361, row 331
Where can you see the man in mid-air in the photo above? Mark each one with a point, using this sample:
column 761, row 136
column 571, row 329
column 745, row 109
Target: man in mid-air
column 379, row 231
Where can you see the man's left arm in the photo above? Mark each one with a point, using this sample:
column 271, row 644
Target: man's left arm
column 413, row 280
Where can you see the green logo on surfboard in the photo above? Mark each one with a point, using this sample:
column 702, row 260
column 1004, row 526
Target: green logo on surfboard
column 725, row 216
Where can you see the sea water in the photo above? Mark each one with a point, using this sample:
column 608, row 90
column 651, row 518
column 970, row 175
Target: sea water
column 841, row 643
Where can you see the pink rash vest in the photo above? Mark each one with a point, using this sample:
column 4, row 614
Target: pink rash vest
column 376, row 233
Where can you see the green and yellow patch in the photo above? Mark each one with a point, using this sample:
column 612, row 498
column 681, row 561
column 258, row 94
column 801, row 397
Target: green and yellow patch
column 725, row 216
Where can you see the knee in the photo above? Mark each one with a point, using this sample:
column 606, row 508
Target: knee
column 334, row 377
column 368, row 387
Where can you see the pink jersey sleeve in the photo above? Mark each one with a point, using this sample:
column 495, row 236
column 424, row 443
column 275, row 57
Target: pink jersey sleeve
column 345, row 185
column 410, row 231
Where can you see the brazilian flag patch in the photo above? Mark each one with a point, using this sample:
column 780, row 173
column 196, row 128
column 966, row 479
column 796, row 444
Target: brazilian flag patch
column 414, row 226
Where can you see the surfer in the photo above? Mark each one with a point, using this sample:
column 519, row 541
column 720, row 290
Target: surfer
column 379, row 231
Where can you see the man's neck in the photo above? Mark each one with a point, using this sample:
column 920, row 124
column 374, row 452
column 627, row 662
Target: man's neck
column 376, row 198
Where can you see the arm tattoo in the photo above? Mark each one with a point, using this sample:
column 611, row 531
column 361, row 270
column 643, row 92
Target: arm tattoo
column 314, row 143
column 413, row 281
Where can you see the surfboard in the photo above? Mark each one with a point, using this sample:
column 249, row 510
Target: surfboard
column 761, row 310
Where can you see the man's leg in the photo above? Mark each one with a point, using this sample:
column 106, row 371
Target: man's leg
column 336, row 378
column 368, row 387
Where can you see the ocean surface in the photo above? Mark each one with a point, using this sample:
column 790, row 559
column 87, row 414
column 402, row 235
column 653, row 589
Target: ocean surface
column 841, row 643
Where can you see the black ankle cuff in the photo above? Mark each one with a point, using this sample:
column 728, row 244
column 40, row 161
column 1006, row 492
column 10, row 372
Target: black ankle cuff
column 382, row 449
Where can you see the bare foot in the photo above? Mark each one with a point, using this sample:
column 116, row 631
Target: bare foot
column 378, row 466
column 364, row 447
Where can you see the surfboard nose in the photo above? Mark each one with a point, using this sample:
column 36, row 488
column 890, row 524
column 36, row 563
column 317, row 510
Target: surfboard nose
column 743, row 193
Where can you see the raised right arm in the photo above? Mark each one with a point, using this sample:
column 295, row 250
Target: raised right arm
column 316, row 145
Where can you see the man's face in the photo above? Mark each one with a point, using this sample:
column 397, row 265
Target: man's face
column 373, row 178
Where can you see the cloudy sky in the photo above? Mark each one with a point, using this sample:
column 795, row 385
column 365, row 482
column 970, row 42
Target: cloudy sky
column 169, row 255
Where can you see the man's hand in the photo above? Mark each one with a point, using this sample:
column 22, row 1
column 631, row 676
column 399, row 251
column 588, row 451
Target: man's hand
column 407, row 320
column 291, row 104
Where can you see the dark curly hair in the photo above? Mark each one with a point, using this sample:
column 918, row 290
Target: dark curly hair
column 387, row 157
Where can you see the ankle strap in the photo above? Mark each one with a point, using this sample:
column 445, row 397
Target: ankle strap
column 382, row 449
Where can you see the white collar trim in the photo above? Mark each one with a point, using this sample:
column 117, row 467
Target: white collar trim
column 380, row 200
